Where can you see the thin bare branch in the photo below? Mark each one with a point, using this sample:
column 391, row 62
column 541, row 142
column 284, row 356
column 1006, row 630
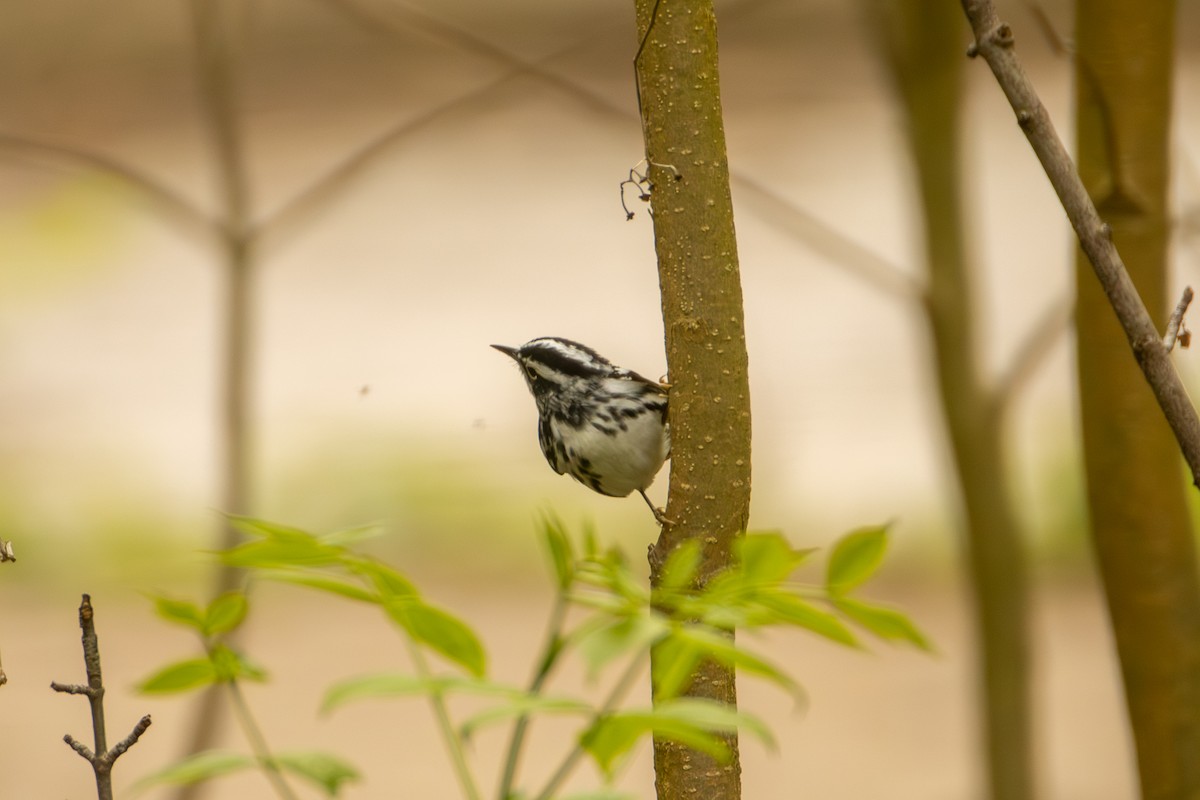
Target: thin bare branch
column 101, row 758
column 1177, row 332
column 828, row 242
column 81, row 748
column 798, row 223
column 994, row 42
column 171, row 203
column 129, row 741
column 322, row 191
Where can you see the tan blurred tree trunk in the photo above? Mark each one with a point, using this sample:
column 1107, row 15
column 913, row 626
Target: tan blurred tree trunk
column 694, row 238
column 1136, row 491
column 923, row 47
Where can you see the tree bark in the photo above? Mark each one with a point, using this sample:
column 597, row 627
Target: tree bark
column 1140, row 525
column 709, row 498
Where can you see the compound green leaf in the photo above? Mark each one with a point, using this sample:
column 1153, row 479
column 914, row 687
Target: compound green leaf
column 180, row 677
column 327, row 771
column 886, row 623
column 855, row 558
column 199, row 767
column 181, row 612
column 321, row 582
column 225, row 613
column 441, row 631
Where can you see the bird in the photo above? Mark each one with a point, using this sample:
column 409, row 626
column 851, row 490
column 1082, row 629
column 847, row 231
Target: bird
column 604, row 425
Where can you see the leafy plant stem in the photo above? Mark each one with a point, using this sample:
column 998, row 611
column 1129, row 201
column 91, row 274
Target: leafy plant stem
column 551, row 649
column 453, row 741
column 258, row 742
column 619, row 690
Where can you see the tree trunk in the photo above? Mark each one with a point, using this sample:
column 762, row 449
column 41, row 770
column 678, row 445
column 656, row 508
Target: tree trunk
column 1136, row 493
column 922, row 44
column 709, row 497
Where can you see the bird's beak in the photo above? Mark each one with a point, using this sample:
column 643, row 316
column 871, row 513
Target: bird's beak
column 511, row 352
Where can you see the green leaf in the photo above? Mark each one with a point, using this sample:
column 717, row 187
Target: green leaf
column 180, row 677
column 886, row 623
column 792, row 610
column 441, row 631
column 369, row 687
column 265, row 529
column 694, row 722
column 681, row 566
column 268, row 553
column 855, row 558
column 768, row 558
column 323, row 769
column 521, row 706
column 674, row 666
column 321, row 582
column 722, row 648
column 352, row 535
column 562, row 558
column 229, row 665
column 199, row 767
column 225, row 613
column 180, row 612
column 605, row 639
column 388, row 582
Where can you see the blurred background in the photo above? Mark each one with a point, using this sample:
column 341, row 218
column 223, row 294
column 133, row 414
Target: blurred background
column 424, row 179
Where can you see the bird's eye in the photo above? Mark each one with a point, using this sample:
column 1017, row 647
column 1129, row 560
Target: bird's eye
column 530, row 371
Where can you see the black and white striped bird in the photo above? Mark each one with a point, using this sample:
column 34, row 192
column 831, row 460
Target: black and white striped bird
column 604, row 425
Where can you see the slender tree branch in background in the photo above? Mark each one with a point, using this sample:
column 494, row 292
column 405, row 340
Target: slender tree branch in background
column 1030, row 354
column 215, row 73
column 994, row 42
column 1177, row 332
column 811, row 231
column 101, row 759
column 160, row 196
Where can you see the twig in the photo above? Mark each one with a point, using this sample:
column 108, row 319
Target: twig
column 441, row 713
column 101, row 759
column 994, row 42
column 551, row 649
column 619, row 690
column 794, row 221
column 827, row 242
column 258, row 742
column 1176, row 330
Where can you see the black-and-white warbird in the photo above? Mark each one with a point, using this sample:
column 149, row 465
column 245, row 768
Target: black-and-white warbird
column 604, row 425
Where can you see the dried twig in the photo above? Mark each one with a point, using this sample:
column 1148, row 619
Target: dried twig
column 994, row 42
column 102, row 758
column 1177, row 331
